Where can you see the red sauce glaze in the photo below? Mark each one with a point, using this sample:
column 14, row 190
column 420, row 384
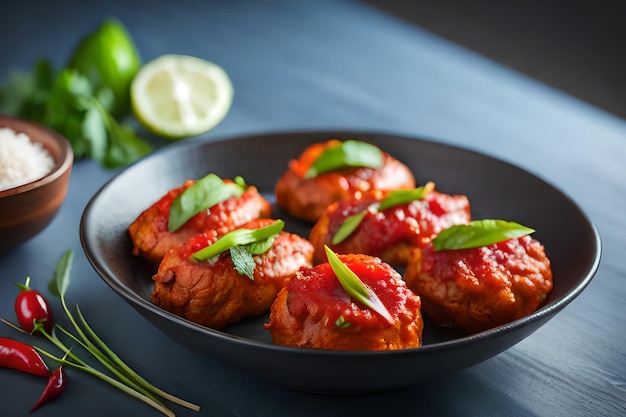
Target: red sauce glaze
column 164, row 204
column 198, row 242
column 319, row 286
column 414, row 223
column 480, row 288
column 487, row 262
column 215, row 294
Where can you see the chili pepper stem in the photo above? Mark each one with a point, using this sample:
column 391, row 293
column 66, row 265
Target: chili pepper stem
column 25, row 286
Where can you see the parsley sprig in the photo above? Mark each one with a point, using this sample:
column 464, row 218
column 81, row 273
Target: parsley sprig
column 66, row 102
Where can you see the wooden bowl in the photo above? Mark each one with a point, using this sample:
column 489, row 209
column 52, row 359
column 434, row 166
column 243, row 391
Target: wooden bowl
column 27, row 209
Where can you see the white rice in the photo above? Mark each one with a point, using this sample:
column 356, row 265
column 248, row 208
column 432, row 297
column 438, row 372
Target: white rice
column 21, row 161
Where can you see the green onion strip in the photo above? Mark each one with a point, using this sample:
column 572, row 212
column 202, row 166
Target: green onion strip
column 356, row 288
column 239, row 237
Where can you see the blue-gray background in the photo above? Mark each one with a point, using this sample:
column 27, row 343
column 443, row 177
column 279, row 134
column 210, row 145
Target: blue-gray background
column 341, row 64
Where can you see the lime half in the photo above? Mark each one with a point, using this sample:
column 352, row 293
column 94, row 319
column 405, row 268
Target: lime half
column 177, row 96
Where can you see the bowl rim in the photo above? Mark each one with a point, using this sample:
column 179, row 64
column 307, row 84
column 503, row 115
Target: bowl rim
column 61, row 164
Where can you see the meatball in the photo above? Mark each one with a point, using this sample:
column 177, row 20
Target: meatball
column 480, row 288
column 152, row 240
column 391, row 233
column 214, row 294
column 314, row 311
column 307, row 198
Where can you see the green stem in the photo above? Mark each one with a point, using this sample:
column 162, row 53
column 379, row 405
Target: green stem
column 71, row 318
column 25, row 286
column 128, row 381
column 55, row 340
column 93, row 349
column 111, row 381
column 122, row 366
column 101, row 357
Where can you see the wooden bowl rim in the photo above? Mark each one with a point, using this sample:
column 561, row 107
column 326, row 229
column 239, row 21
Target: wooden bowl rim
column 46, row 136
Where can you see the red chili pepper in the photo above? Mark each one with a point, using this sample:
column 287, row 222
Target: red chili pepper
column 22, row 357
column 31, row 306
column 54, row 388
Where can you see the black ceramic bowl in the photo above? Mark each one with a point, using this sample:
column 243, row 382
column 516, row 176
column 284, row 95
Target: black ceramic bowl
column 496, row 190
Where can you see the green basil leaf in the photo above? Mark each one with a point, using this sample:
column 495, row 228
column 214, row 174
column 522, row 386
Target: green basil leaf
column 479, row 233
column 243, row 260
column 239, row 237
column 203, row 194
column 351, row 153
column 400, row 197
column 61, row 280
column 348, row 226
column 353, row 285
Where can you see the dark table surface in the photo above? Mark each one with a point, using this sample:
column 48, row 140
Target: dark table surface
column 341, row 65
